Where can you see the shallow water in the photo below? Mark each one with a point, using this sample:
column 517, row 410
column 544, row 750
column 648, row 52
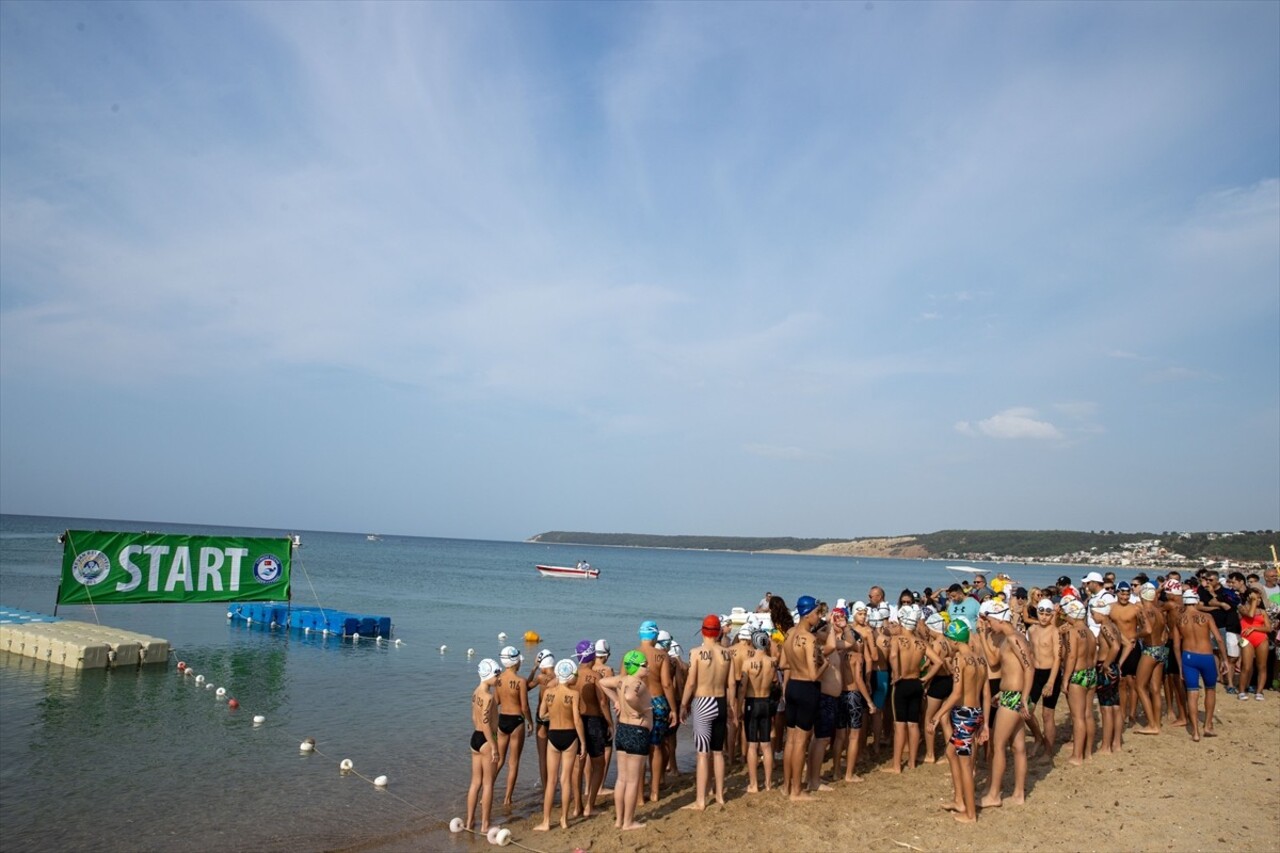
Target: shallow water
column 146, row 760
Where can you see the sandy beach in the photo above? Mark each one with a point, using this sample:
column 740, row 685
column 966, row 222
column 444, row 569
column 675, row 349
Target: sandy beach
column 1164, row 793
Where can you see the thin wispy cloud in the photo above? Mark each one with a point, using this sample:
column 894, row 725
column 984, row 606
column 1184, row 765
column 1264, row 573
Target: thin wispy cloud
column 642, row 238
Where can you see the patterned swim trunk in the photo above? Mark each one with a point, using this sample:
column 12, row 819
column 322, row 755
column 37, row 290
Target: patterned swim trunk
column 661, row 719
column 633, row 740
column 1086, row 678
column 1160, row 654
column 849, row 712
column 1011, row 699
column 965, row 723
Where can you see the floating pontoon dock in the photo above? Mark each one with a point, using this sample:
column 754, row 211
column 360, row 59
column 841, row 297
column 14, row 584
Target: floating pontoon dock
column 76, row 645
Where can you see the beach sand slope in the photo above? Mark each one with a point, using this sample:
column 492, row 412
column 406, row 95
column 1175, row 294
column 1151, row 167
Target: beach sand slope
column 1163, row 793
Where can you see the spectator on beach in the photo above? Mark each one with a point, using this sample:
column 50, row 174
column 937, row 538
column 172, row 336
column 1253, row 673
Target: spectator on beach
column 763, row 606
column 962, row 606
column 875, row 599
column 980, row 590
column 1255, row 627
column 1221, row 602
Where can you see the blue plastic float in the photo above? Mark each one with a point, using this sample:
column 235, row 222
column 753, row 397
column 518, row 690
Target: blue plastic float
column 283, row 614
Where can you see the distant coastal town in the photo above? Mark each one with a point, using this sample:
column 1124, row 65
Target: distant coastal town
column 1241, row 549
column 1148, row 553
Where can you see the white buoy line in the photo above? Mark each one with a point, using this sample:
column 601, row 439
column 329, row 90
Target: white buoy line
column 497, row 836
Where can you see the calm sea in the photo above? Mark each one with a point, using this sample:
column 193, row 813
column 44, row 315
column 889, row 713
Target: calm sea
column 145, row 760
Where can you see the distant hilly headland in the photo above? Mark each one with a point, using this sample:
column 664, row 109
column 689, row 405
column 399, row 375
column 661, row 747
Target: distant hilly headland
column 1066, row 546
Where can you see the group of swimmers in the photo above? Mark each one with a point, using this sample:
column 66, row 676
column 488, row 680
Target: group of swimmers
column 811, row 684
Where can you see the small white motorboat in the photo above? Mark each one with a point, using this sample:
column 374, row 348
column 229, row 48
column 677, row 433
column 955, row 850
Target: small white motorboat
column 584, row 571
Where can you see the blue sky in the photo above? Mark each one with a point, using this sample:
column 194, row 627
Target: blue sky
column 484, row 270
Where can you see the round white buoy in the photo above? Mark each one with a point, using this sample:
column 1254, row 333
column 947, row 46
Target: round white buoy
column 230, row 615
column 377, row 640
column 306, row 747
column 355, row 638
column 248, row 620
column 346, row 764
column 274, row 625
column 221, row 691
column 455, row 825
column 502, row 635
column 199, row 679
column 397, row 641
column 209, row 686
column 259, row 720
column 306, row 629
column 380, row 782
column 470, row 652
column 503, row 837
column 442, row 649
column 326, row 632
column 492, row 835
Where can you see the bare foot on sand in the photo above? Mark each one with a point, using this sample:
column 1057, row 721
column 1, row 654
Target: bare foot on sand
column 542, row 827
column 695, row 806
column 964, row 818
column 990, row 802
column 1146, row 730
column 802, row 798
column 633, row 825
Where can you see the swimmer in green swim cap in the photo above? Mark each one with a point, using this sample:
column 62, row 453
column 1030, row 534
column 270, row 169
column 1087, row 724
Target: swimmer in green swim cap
column 629, row 693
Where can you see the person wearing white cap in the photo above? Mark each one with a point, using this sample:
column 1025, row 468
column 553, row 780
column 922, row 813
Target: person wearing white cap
column 603, row 670
column 679, row 675
column 737, row 654
column 1046, row 682
column 1110, row 645
column 1202, row 651
column 1153, row 631
column 1010, row 711
column 907, row 655
column 1080, row 654
column 562, row 707
column 543, row 674
column 484, row 745
column 515, row 722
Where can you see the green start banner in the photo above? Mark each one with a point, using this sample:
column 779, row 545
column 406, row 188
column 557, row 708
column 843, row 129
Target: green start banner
column 104, row 567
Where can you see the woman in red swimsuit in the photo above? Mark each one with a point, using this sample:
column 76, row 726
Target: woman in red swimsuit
column 1255, row 626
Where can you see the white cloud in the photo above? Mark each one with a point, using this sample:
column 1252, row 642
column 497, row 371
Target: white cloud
column 1012, row 423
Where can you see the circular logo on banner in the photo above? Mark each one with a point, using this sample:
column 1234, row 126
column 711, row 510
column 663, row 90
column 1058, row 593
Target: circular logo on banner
column 91, row 567
column 267, row 568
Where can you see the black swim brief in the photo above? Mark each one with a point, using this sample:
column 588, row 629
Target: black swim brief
column 802, row 704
